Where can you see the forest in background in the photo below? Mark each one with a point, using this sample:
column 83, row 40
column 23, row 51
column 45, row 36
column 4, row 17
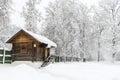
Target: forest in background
column 79, row 31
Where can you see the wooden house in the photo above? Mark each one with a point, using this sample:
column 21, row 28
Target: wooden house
column 29, row 46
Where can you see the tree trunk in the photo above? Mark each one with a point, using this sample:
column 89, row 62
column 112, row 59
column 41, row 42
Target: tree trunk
column 113, row 46
column 113, row 57
column 99, row 46
column 99, row 43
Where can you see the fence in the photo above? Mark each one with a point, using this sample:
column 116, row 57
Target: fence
column 5, row 56
column 66, row 59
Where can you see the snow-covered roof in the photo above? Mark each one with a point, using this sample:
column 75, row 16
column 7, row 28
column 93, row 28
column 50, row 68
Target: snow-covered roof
column 40, row 38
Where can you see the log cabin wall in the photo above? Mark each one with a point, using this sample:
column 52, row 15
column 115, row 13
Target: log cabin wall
column 38, row 53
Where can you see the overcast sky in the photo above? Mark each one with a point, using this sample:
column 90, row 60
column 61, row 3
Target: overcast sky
column 17, row 19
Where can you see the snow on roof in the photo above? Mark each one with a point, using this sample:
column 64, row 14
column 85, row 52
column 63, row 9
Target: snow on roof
column 41, row 38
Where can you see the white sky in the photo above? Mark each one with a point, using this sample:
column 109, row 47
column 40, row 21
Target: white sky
column 17, row 19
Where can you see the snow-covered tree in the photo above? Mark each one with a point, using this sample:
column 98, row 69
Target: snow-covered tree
column 64, row 25
column 5, row 8
column 31, row 15
column 99, row 26
column 107, row 22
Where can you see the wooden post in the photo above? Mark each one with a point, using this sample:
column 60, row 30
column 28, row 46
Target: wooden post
column 46, row 52
column 4, row 55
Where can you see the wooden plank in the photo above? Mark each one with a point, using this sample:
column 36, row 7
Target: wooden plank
column 23, row 58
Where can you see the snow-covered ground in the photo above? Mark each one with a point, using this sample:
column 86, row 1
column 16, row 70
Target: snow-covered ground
column 60, row 71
